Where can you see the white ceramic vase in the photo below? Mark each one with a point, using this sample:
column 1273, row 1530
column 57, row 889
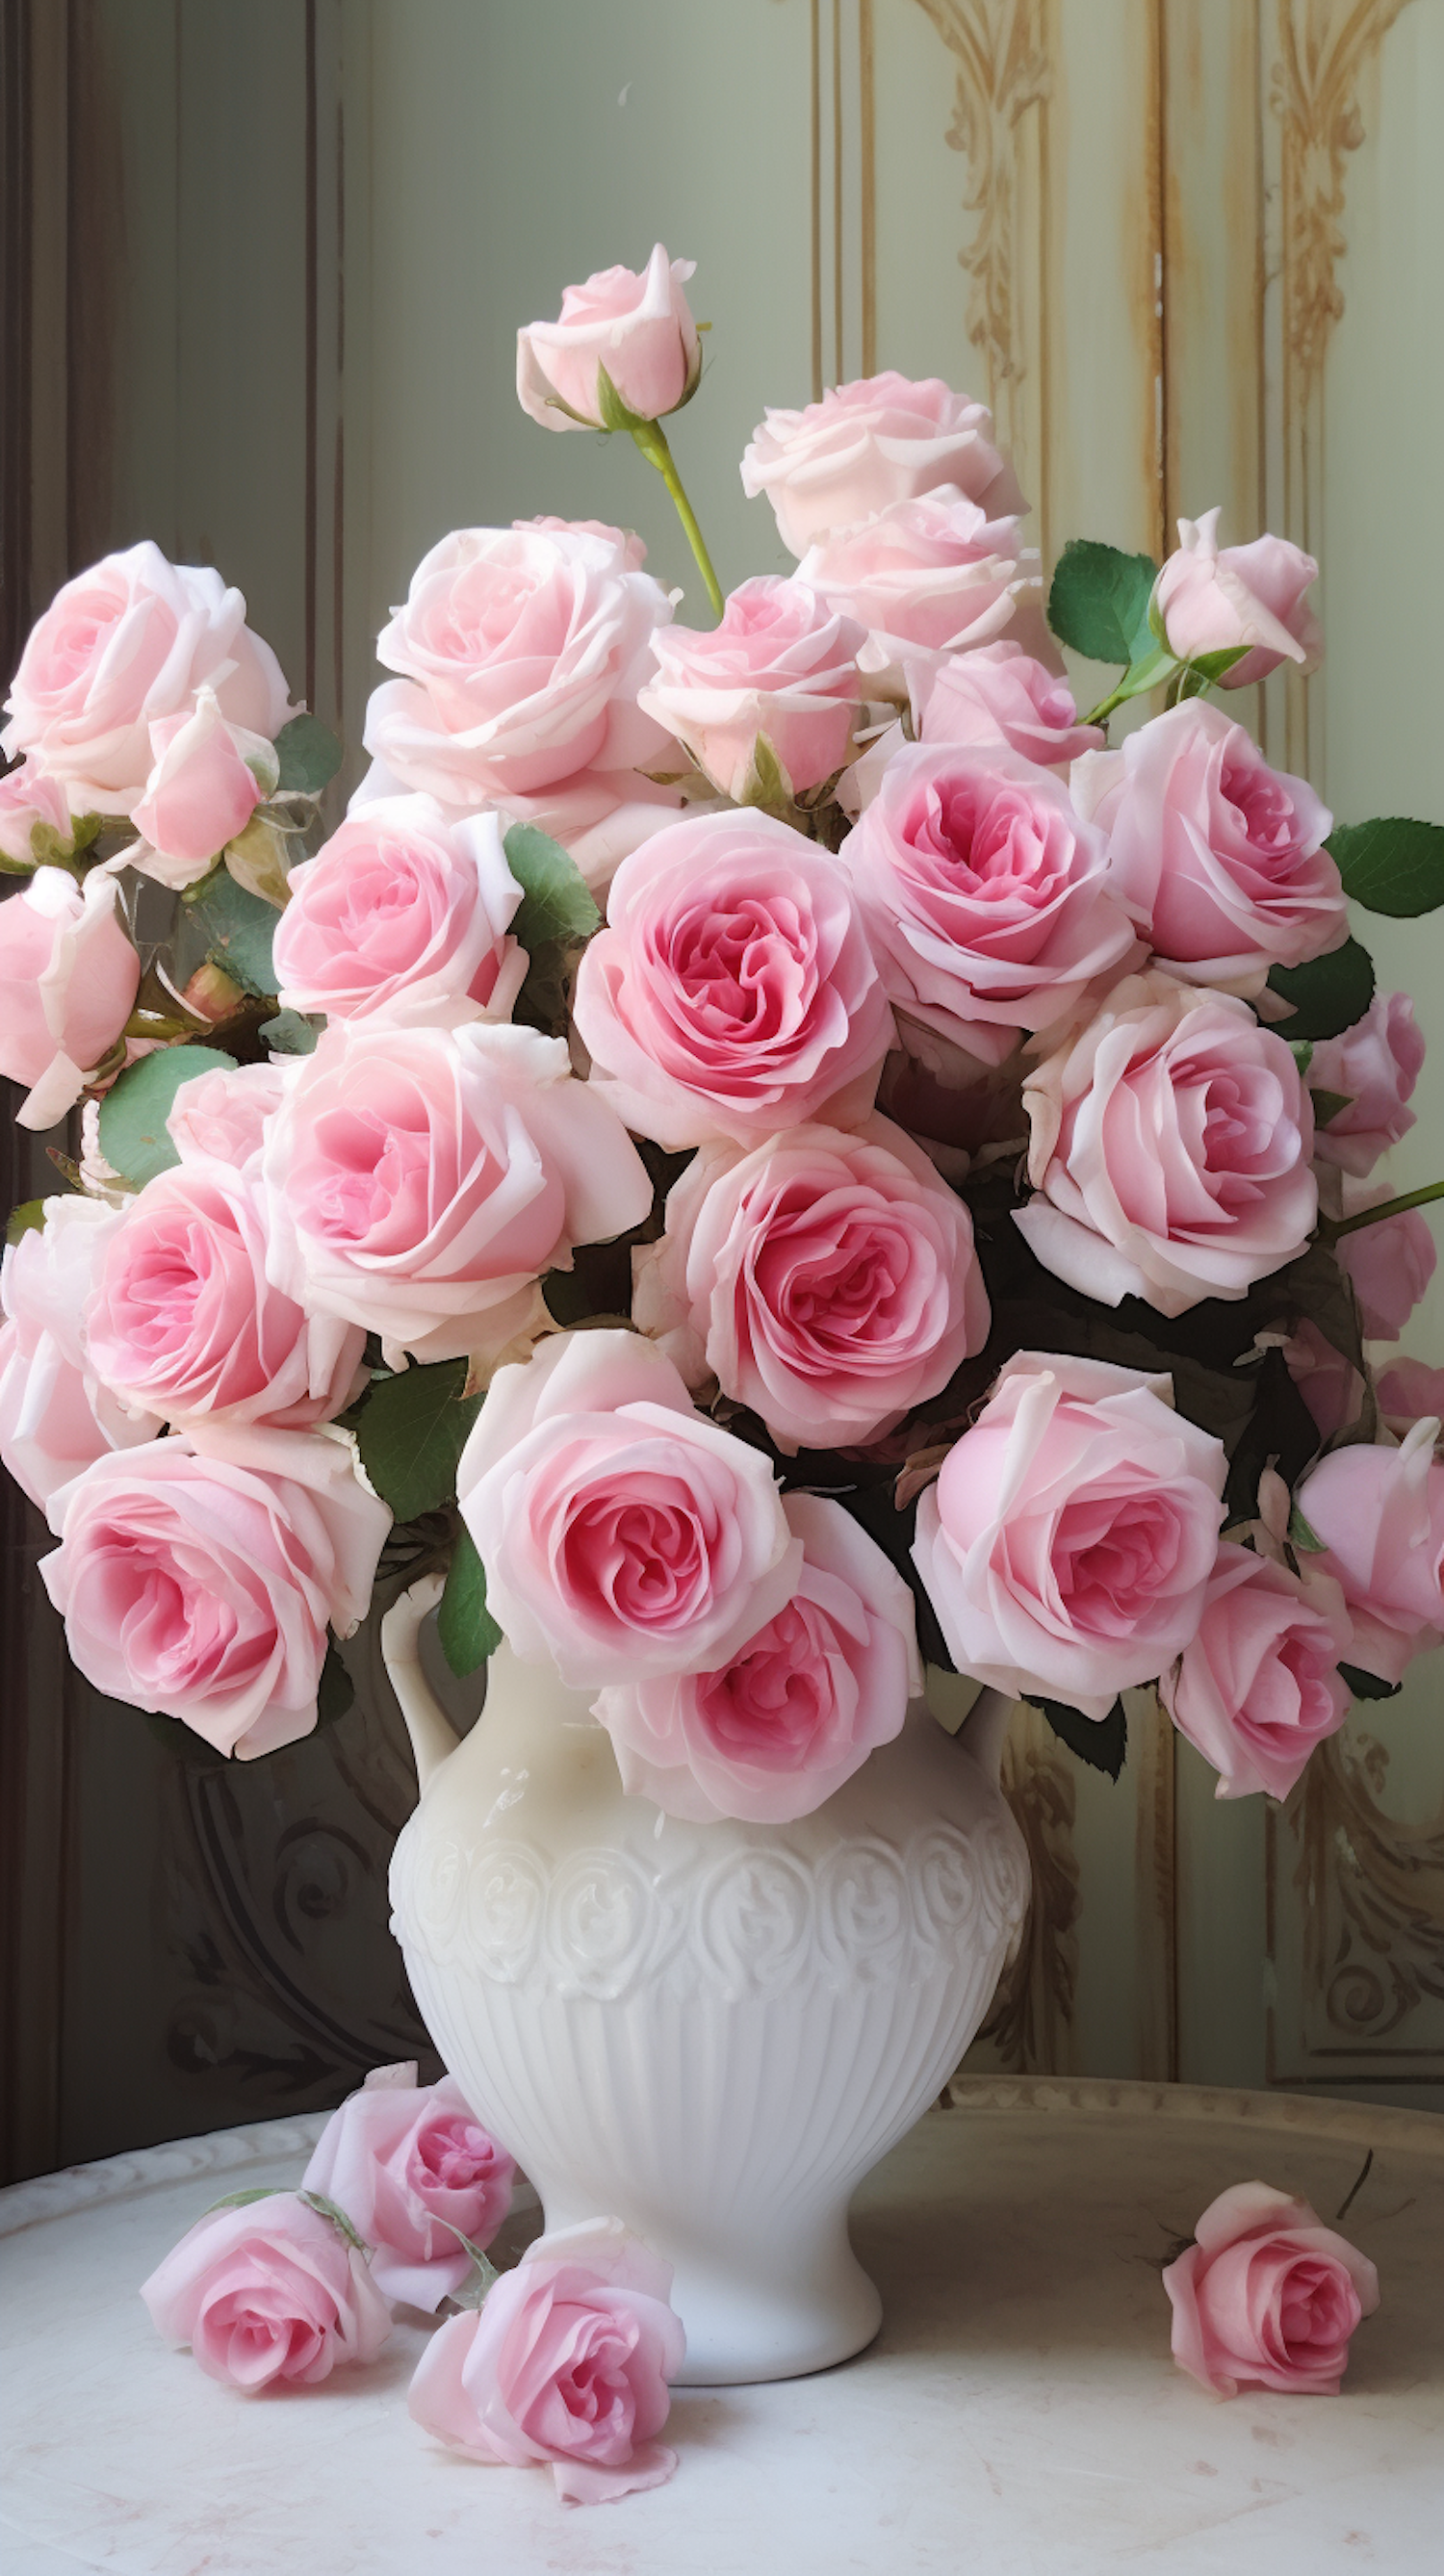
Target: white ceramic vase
column 709, row 2031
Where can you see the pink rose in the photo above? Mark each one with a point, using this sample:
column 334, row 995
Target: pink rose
column 183, row 1322
column 986, row 899
column 1218, row 857
column 208, row 779
column 68, row 981
column 1170, row 1150
column 30, row 803
column 1380, row 1514
column 199, row 1580
column 626, row 540
column 1068, row 1542
column 422, row 1180
column 638, row 328
column 270, row 2293
column 1375, row 1065
column 1407, row 1389
column 412, row 2168
column 780, row 664
column 798, row 1707
column 55, row 1415
column 1389, row 1265
column 127, row 642
column 1212, row 599
column 403, row 912
column 733, row 991
column 926, row 578
column 1267, row 2297
column 567, row 2362
column 868, row 444
column 221, row 1117
column 826, row 1279
column 1001, row 694
column 622, row 1533
column 1258, row 1686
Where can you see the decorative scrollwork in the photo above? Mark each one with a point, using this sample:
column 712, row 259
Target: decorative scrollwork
column 1372, row 1893
column 1028, row 2025
column 1003, row 70
column 1324, row 45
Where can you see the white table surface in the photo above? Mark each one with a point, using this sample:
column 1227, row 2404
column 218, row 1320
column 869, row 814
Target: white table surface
column 1019, row 2415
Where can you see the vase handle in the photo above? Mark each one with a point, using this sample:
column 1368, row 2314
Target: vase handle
column 432, row 1737
column 984, row 1731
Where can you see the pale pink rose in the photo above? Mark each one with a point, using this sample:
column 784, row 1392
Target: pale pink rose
column 626, row 540
column 622, row 1533
column 733, row 991
column 781, row 664
column 1213, row 598
column 197, row 1576
column 68, row 981
column 270, row 2294
column 1407, row 1389
column 1068, row 1542
column 798, row 1707
column 221, row 1117
column 827, row 1279
column 986, row 899
column 1219, row 858
column 29, row 801
column 567, row 2363
column 868, row 444
column 1389, row 1265
column 1258, row 1686
column 422, row 1180
column 1380, row 1514
column 127, row 642
column 403, row 913
column 1375, row 1065
column 1267, row 2297
column 55, row 1414
column 926, row 578
column 1170, row 1150
column 1001, row 694
column 207, row 780
column 1329, row 1384
column 638, row 328
column 184, row 1323
column 521, row 653
column 413, row 2168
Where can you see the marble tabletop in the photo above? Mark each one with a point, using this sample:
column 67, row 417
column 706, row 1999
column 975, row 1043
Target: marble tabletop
column 1018, row 2415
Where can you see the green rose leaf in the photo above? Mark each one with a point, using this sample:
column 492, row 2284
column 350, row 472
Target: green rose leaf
column 1099, row 602
column 1368, row 1685
column 28, row 1218
column 289, row 1034
column 236, row 929
column 309, row 754
column 1304, row 1539
column 336, row 1691
column 1100, row 1742
column 1329, row 994
column 1391, row 865
column 411, row 1433
column 555, row 903
column 133, row 1113
column 1327, row 1105
column 465, row 1626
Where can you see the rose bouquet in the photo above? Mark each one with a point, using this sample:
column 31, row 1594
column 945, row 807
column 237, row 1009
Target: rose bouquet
column 760, row 1148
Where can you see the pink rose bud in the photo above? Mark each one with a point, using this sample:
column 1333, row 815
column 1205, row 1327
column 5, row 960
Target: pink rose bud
column 209, row 776
column 1380, row 1514
column 781, row 664
column 403, row 914
column 926, row 578
column 869, row 444
column 55, row 1414
column 270, row 2293
column 413, row 2169
column 1000, row 694
column 771, row 1734
column 1389, row 1264
column 1213, row 599
column 1407, row 1389
column 1267, row 2297
column 1259, row 1686
column 221, row 1117
column 68, row 981
column 1374, row 1066
column 567, row 2363
column 638, row 328
column 1146, row 1185
column 31, row 803
column 1068, row 1542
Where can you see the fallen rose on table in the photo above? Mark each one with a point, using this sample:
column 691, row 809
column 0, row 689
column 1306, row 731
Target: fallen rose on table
column 1267, row 2296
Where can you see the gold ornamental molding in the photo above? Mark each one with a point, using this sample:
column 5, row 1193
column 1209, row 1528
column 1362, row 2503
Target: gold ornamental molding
column 1371, row 1893
column 1002, row 54
column 1032, row 2013
column 1324, row 47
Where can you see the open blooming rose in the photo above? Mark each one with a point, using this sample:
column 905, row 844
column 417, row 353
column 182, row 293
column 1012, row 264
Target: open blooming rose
column 622, row 1533
column 638, row 328
column 925, row 578
column 986, row 899
column 567, row 2363
column 68, row 981
column 1170, row 1150
column 867, row 444
column 200, row 1582
column 1220, row 859
column 209, row 777
column 1267, row 2297
column 403, row 912
column 55, row 1414
column 412, row 2168
column 999, row 693
column 422, row 1180
column 30, row 803
column 1068, row 1542
column 827, row 1279
column 733, row 991
column 269, row 2294
column 220, row 1117
column 799, row 1706
column 780, row 664
column 1213, row 598
column 1374, row 1066
column 1380, row 1514
column 1258, row 1686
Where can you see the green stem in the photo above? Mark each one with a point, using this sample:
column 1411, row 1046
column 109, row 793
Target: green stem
column 1389, row 1207
column 652, row 440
